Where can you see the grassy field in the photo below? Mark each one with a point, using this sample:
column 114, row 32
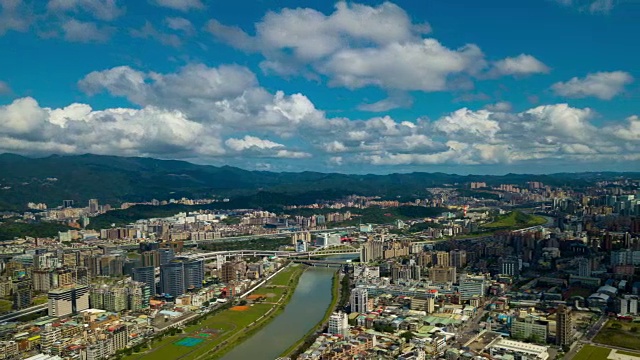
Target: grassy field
column 620, row 334
column 5, row 306
column 515, row 220
column 590, row 352
column 231, row 326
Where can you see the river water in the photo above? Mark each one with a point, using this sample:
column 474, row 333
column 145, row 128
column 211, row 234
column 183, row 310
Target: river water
column 305, row 309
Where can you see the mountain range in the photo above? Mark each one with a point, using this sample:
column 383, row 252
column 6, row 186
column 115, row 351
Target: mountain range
column 113, row 179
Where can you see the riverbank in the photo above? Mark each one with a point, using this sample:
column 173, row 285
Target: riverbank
column 213, row 336
column 261, row 322
column 296, row 349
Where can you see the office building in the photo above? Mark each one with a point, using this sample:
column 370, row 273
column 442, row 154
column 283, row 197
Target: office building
column 470, row 288
column 180, row 275
column 529, row 327
column 193, row 273
column 68, row 301
column 67, row 203
column 172, row 280
column 564, row 327
column 166, row 255
column 442, row 274
column 328, row 239
column 146, row 275
column 359, row 300
column 427, row 304
column 339, row 324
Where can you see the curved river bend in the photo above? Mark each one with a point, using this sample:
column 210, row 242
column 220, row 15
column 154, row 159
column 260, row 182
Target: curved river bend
column 305, row 309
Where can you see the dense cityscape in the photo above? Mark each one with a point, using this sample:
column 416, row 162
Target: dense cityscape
column 527, row 271
column 319, row 180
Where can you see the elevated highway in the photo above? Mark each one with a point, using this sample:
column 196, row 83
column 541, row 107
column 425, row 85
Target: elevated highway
column 20, row 313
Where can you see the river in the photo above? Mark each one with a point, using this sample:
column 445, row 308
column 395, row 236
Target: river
column 305, row 309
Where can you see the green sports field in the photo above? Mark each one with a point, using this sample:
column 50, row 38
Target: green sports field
column 229, row 325
column 590, row 352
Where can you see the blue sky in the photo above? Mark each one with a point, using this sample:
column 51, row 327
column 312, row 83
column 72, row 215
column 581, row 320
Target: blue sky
column 457, row 86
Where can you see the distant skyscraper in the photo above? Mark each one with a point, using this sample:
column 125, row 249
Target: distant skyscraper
column 172, row 278
column 146, row 275
column 359, row 300
column 93, row 206
column 564, row 332
column 166, row 255
column 67, row 203
column 193, row 274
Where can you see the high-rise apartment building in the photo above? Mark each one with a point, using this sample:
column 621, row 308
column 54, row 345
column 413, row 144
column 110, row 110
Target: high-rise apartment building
column 564, row 327
column 458, row 258
column 93, row 206
column 150, row 258
column 442, row 258
column 68, row 301
column 339, row 324
column 510, row 266
column 359, row 300
column 371, row 250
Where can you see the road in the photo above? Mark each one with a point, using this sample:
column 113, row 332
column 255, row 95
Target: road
column 16, row 314
column 472, row 326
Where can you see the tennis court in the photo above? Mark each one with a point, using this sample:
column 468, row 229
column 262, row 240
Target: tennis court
column 189, row 342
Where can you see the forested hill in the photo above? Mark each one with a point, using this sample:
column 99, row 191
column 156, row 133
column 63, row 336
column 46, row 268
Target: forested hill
column 114, row 180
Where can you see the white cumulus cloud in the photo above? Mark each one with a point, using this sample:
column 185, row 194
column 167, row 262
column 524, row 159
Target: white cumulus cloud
column 249, row 142
column 83, row 31
column 360, row 45
column 602, row 85
column 520, row 65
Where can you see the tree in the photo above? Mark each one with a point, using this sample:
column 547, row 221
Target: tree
column 407, row 336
